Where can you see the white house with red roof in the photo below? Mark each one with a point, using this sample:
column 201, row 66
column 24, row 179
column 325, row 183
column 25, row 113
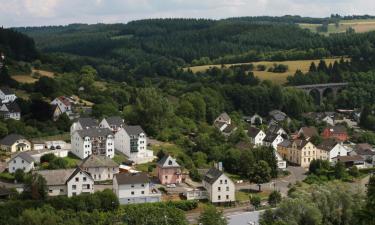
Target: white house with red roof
column 64, row 103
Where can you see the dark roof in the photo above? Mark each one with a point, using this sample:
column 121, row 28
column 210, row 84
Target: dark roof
column 300, row 143
column 94, row 132
column 25, row 156
column 7, row 91
column 253, row 131
column 230, row 128
column 168, row 161
column 56, row 177
column 11, row 139
column 94, row 161
column 13, row 107
column 132, row 178
column 212, row 175
column 77, row 170
column 88, row 123
column 327, row 144
column 133, row 130
column 309, row 131
column 270, row 137
column 337, row 129
column 286, row 143
column 363, row 146
column 361, row 151
column 349, row 158
column 219, row 124
column 274, row 129
column 278, row 115
column 64, row 100
column 224, row 116
column 115, row 120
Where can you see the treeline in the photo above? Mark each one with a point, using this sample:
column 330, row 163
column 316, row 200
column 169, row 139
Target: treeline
column 16, row 45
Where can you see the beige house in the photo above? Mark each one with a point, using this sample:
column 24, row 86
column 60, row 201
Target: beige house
column 302, row 152
column 15, row 143
column 220, row 187
column 100, row 167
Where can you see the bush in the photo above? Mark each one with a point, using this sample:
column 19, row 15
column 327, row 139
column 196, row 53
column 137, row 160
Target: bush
column 353, row 171
column 195, row 176
column 274, row 198
column 7, row 176
column 255, row 201
column 19, row 175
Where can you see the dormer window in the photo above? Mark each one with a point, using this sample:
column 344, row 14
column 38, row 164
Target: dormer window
column 170, row 162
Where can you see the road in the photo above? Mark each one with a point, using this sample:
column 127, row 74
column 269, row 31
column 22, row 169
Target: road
column 244, row 218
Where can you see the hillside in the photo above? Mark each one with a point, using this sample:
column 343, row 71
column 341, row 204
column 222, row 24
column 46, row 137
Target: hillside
column 16, row 45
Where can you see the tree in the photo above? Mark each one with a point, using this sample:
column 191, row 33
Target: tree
column 19, row 175
column 211, row 216
column 274, row 198
column 340, row 171
column 47, row 158
column 3, row 129
column 255, row 201
column 35, row 187
column 353, row 171
column 312, row 67
column 261, row 173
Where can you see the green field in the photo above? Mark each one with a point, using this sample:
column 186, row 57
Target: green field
column 279, row 78
column 360, row 26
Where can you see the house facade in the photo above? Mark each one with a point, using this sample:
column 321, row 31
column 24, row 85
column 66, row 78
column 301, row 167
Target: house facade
column 64, row 103
column 169, row 171
column 302, row 152
column 338, row 132
column 7, row 95
column 96, row 141
column 308, row 132
column 256, row 136
column 15, row 143
column 69, row 182
column 220, row 188
column 272, row 140
column 331, row 148
column 114, row 123
column 10, row 110
column 21, row 161
column 100, row 168
column 134, row 188
column 132, row 141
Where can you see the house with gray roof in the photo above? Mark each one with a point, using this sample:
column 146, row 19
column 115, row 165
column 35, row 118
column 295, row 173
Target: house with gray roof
column 133, row 188
column 83, row 123
column 15, row 143
column 114, row 123
column 68, row 182
column 10, row 110
column 132, row 141
column 96, row 141
column 220, row 187
column 256, row 136
column 7, row 95
column 100, row 167
column 168, row 170
column 21, row 161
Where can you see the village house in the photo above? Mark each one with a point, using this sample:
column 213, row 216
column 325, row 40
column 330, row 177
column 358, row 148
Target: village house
column 169, row 171
column 327, row 117
column 96, row 141
column 82, row 124
column 114, row 123
column 64, row 103
column 219, row 187
column 7, row 95
column 132, row 141
column 100, row 168
column 21, row 161
column 254, row 119
column 69, row 182
column 56, row 112
column 222, row 121
column 15, row 143
column 308, row 132
column 276, row 117
column 10, row 110
column 272, row 140
column 349, row 161
column 37, row 154
column 256, row 136
column 283, row 148
column 365, row 151
column 331, row 148
column 275, row 129
column 301, row 153
column 338, row 132
column 134, row 188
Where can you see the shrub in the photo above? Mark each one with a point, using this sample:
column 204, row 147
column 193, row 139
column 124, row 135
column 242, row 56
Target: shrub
column 255, row 201
column 274, row 198
column 7, row 176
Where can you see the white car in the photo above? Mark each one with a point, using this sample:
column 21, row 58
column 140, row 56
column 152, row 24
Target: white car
column 171, row 185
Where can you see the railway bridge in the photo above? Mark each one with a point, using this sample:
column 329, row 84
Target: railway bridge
column 323, row 89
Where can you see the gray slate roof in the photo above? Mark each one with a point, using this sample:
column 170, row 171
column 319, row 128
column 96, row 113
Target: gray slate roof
column 95, row 132
column 133, row 130
column 132, row 178
column 253, row 132
column 56, row 177
column 11, row 139
column 115, row 120
column 224, row 116
column 168, row 161
column 13, row 107
column 23, row 155
column 327, row 144
column 270, row 137
column 94, row 161
column 278, row 115
column 286, row 143
column 212, row 175
column 88, row 123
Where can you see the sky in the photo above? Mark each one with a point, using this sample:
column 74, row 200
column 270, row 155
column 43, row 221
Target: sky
column 15, row 13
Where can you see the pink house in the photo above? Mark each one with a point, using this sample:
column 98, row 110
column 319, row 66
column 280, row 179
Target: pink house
column 169, row 172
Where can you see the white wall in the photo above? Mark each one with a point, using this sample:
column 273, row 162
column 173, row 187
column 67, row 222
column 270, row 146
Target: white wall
column 102, row 173
column 338, row 150
column 80, row 180
column 19, row 163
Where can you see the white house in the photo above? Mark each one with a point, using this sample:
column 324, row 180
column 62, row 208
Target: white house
column 97, row 141
column 132, row 141
column 83, row 123
column 275, row 129
column 222, row 121
column 114, row 123
column 15, row 143
column 100, row 168
column 272, row 140
column 21, row 161
column 64, row 103
column 10, row 110
column 134, row 188
column 256, row 136
column 68, row 182
column 7, row 95
column 332, row 149
column 219, row 187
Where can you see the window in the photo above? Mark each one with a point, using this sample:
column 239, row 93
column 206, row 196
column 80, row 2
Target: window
column 218, row 188
column 132, row 192
column 74, row 187
column 166, row 177
column 61, row 190
column 225, row 181
column 132, row 185
column 142, row 185
column 221, row 181
column 143, row 192
column 77, row 179
column 14, row 161
column 227, row 196
column 24, row 161
column 84, row 178
column 227, row 189
column 74, row 194
column 219, row 197
column 50, row 191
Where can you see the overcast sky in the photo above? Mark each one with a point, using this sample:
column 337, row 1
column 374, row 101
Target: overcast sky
column 60, row 12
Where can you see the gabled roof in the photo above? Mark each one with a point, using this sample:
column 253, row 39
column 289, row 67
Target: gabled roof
column 253, row 132
column 363, row 146
column 23, row 155
column 94, row 132
column 11, row 139
column 300, row 143
column 285, row 143
column 66, row 101
column 94, row 161
column 133, row 130
column 274, row 129
column 132, row 178
column 56, row 177
column 224, row 116
column 168, row 161
column 212, row 175
column 12, row 107
column 88, row 122
column 77, row 170
column 349, row 158
column 278, row 115
column 309, row 131
column 327, row 144
column 7, row 91
column 229, row 129
column 270, row 137
column 337, row 129
column 115, row 120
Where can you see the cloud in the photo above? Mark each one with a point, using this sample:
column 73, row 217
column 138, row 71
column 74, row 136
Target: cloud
column 53, row 12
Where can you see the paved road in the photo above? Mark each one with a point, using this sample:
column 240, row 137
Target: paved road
column 281, row 184
column 193, row 217
column 244, row 218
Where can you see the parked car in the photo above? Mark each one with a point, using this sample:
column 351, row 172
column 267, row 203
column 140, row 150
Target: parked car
column 52, row 147
column 58, row 147
column 171, row 185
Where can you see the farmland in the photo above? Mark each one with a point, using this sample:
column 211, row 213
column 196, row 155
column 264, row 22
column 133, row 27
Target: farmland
column 279, row 78
column 33, row 77
column 360, row 26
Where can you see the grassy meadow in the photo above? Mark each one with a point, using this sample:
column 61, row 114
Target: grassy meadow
column 360, row 26
column 33, row 77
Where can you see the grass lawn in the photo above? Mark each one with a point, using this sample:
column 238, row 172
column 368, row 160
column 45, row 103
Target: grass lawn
column 28, row 78
column 279, row 78
column 72, row 160
column 119, row 158
column 64, row 137
column 243, row 195
column 169, row 148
